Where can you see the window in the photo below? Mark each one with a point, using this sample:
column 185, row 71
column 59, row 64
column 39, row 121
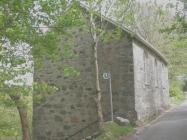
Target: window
column 146, row 78
column 162, row 78
column 156, row 73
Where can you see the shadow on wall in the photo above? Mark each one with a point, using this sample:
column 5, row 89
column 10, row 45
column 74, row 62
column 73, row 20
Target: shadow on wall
column 185, row 87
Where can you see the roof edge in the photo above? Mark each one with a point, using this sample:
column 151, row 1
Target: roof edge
column 139, row 38
column 151, row 47
column 133, row 35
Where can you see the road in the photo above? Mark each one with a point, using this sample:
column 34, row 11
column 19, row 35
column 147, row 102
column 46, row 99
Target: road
column 171, row 126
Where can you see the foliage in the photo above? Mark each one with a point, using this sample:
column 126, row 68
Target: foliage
column 113, row 131
column 20, row 20
column 9, row 121
column 113, row 34
column 42, row 89
column 176, row 91
column 13, row 66
column 96, row 9
column 123, row 12
column 166, row 32
column 20, row 26
column 41, row 24
column 69, row 71
column 180, row 24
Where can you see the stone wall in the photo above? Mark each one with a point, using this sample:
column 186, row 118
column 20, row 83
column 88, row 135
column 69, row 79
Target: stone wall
column 71, row 112
column 72, row 108
column 139, row 84
column 151, row 82
column 117, row 57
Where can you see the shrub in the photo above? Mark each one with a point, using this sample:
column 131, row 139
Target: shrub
column 176, row 92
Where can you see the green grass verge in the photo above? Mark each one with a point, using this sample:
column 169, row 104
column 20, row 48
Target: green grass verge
column 177, row 101
column 9, row 122
column 113, row 131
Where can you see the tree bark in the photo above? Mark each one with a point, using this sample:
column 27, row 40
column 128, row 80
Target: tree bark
column 24, row 123
column 22, row 110
column 95, row 37
column 98, row 89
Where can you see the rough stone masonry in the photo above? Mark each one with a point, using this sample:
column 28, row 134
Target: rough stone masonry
column 139, row 84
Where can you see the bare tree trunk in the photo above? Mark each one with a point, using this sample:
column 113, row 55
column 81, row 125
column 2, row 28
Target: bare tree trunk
column 22, row 110
column 98, row 89
column 95, row 37
column 24, row 123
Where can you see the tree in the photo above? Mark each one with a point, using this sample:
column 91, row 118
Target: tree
column 167, row 32
column 20, row 28
column 39, row 24
column 12, row 85
column 96, row 10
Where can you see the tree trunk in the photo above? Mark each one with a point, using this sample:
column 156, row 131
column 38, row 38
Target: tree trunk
column 22, row 110
column 95, row 37
column 24, row 123
column 98, row 89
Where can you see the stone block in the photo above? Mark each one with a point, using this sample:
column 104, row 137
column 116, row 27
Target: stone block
column 122, row 121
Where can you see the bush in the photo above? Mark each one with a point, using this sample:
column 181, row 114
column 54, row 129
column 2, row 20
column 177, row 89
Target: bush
column 176, row 92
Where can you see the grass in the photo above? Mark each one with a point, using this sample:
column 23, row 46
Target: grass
column 177, row 101
column 113, row 131
column 9, row 121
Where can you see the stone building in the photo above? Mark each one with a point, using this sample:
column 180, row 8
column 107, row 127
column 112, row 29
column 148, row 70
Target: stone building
column 139, row 84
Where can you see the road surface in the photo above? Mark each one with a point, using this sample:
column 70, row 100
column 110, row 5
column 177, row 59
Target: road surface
column 171, row 126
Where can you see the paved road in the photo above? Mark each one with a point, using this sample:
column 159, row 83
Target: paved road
column 171, row 126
